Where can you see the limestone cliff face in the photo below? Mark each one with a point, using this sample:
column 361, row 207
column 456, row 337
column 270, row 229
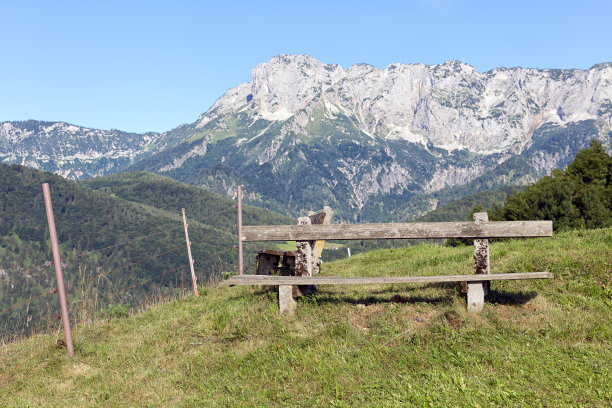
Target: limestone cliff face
column 450, row 105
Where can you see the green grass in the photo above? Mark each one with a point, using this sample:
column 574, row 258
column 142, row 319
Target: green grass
column 229, row 128
column 285, row 246
column 290, row 245
column 537, row 343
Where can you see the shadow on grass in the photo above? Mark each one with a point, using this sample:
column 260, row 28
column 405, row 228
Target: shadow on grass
column 383, row 296
column 406, row 287
column 372, row 299
column 510, row 298
column 380, row 296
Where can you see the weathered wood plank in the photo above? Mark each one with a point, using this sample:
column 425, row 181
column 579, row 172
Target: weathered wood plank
column 416, row 230
column 275, row 252
column 336, row 280
column 324, row 217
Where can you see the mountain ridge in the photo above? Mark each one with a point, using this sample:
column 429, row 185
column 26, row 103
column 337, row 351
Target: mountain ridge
column 72, row 151
column 303, row 134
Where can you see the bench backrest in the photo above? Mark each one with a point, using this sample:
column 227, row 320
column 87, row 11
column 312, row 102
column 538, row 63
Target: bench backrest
column 416, row 230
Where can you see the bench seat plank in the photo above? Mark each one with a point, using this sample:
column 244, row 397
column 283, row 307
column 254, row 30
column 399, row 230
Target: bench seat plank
column 337, row 280
column 414, row 230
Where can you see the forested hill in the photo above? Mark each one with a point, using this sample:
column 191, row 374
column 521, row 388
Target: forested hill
column 578, row 197
column 167, row 194
column 143, row 232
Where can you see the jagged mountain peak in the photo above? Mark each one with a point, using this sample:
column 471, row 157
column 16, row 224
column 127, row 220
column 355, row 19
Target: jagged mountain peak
column 316, row 131
column 603, row 65
column 287, row 83
column 451, row 105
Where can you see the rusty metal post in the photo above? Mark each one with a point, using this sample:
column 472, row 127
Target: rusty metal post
column 193, row 275
column 58, row 269
column 240, row 252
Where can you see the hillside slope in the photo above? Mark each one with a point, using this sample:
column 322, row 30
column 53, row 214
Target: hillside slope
column 108, row 243
column 537, row 343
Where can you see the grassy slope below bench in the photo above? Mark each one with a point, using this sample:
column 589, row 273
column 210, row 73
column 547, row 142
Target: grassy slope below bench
column 539, row 343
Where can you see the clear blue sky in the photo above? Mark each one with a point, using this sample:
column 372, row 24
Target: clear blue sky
column 153, row 65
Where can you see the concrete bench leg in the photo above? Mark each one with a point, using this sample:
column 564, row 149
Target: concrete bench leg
column 475, row 296
column 286, row 302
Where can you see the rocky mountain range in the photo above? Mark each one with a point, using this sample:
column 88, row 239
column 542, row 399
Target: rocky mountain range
column 376, row 144
column 72, row 151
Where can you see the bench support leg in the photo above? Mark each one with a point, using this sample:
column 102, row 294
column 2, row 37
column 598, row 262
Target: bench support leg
column 481, row 252
column 286, row 302
column 303, row 261
column 475, row 296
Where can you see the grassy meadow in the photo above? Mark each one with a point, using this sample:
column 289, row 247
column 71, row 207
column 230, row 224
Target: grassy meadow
column 537, row 342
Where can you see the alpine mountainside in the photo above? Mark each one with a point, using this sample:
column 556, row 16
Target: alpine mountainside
column 387, row 144
column 72, row 151
column 375, row 144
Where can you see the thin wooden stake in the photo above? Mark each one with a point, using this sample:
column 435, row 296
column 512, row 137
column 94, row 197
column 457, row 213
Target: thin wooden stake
column 240, row 253
column 58, row 269
column 193, row 275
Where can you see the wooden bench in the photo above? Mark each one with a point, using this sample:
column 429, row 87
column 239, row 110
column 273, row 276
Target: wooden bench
column 275, row 262
column 481, row 230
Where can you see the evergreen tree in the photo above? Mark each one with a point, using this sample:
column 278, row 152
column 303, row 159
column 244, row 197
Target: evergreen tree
column 579, row 197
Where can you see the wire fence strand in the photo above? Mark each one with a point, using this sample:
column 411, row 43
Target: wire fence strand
column 121, row 243
column 49, row 263
column 14, row 305
column 143, row 260
column 215, row 214
column 114, row 294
